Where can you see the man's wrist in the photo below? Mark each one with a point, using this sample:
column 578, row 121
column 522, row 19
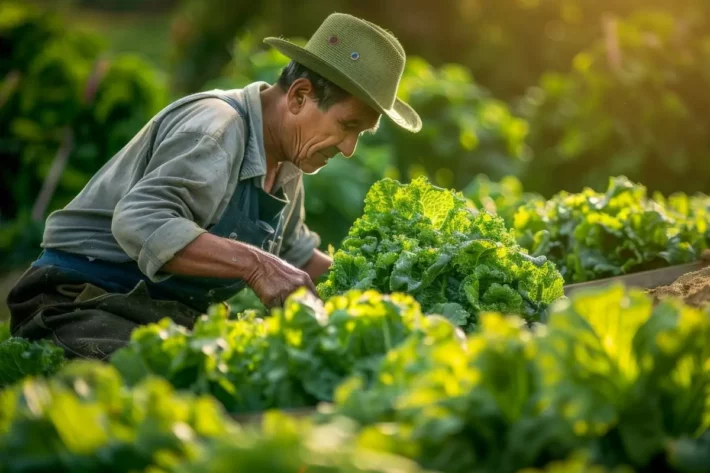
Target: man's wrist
column 248, row 260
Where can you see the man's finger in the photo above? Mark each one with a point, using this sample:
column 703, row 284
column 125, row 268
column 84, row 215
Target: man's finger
column 276, row 302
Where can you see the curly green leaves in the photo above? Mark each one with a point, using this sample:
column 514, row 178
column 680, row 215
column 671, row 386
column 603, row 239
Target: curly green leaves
column 423, row 240
column 294, row 358
column 591, row 235
column 20, row 358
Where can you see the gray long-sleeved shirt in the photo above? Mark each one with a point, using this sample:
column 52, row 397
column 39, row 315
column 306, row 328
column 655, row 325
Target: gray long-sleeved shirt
column 148, row 210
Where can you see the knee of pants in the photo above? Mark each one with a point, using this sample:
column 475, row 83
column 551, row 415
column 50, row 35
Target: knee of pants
column 90, row 333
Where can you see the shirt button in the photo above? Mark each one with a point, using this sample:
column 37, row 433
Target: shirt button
column 232, row 236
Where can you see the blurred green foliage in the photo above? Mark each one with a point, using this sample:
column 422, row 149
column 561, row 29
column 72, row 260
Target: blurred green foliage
column 466, row 131
column 633, row 104
column 59, row 91
column 503, row 197
column 202, row 36
column 507, row 45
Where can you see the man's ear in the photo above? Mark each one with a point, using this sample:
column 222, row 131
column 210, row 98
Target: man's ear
column 298, row 94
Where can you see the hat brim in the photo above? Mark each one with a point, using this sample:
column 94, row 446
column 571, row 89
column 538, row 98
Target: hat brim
column 401, row 113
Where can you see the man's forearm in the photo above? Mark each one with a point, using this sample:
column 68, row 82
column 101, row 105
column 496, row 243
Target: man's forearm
column 318, row 265
column 211, row 256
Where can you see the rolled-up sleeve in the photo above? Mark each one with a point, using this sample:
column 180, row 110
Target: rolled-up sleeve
column 298, row 241
column 171, row 204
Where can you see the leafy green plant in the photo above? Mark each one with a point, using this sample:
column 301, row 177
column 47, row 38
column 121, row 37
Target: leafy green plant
column 21, row 358
column 610, row 379
column 502, row 198
column 460, row 407
column 245, row 300
column 695, row 208
column 286, row 445
column 627, row 376
column 84, row 420
column 592, row 235
column 425, row 241
column 294, row 358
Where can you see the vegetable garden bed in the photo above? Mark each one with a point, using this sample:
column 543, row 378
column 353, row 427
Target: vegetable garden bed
column 425, row 347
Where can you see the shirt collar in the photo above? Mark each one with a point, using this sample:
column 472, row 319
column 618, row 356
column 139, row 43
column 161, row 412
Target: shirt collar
column 255, row 155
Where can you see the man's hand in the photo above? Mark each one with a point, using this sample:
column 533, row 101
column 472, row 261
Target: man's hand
column 271, row 278
column 275, row 279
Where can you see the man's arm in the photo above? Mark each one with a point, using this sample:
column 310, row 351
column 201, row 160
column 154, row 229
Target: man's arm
column 172, row 203
column 271, row 278
column 318, row 265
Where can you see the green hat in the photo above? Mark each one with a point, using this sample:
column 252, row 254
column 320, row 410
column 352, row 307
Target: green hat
column 359, row 57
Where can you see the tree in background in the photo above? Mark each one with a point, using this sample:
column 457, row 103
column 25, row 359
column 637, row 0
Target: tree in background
column 203, row 33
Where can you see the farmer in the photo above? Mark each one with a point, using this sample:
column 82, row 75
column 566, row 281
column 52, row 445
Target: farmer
column 208, row 197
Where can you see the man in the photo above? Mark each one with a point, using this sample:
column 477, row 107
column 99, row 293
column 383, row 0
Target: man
column 208, row 197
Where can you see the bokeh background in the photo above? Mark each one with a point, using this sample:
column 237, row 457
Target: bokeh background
column 516, row 95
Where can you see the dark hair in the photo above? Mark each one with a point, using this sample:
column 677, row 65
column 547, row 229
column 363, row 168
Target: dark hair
column 326, row 92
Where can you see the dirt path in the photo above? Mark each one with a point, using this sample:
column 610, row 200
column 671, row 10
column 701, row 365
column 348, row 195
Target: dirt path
column 693, row 288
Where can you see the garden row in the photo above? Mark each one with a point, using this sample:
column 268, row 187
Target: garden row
column 609, row 381
column 439, row 345
column 587, row 236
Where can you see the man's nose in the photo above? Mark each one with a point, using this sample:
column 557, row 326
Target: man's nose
column 347, row 147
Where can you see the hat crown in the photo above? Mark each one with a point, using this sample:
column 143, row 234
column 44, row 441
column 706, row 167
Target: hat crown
column 368, row 54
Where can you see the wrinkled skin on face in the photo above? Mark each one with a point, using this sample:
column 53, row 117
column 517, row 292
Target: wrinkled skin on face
column 316, row 135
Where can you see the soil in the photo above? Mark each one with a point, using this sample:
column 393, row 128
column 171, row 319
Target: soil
column 692, row 288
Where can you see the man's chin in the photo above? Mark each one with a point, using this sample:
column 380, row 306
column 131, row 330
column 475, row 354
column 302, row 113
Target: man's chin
column 310, row 168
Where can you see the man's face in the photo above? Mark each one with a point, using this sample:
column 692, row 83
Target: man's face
column 321, row 134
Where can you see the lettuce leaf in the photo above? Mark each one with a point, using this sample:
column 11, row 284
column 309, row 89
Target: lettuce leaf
column 20, row 358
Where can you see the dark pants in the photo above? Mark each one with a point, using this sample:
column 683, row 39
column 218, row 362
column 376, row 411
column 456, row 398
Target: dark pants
column 85, row 320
